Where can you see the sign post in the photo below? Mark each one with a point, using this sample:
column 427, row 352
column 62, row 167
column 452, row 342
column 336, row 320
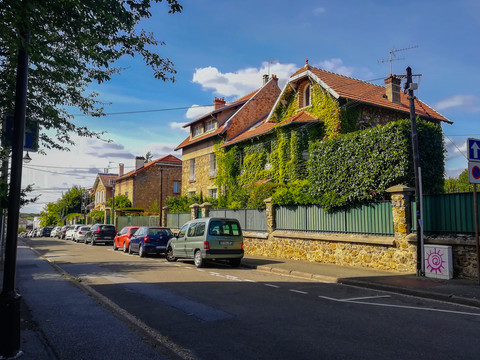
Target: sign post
column 473, row 147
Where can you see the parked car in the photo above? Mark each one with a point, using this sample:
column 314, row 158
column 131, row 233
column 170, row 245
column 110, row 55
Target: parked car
column 63, row 231
column 69, row 234
column 122, row 240
column 208, row 239
column 150, row 240
column 81, row 233
column 45, row 231
column 55, row 231
column 103, row 233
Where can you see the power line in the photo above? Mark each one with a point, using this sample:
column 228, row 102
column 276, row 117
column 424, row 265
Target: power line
column 147, row 111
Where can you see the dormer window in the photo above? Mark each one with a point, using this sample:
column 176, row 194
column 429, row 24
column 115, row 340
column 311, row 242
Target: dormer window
column 307, row 100
column 210, row 125
column 197, row 130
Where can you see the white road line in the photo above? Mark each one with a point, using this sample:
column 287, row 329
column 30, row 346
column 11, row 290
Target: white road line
column 274, row 286
column 200, row 270
column 298, row 292
column 247, row 280
column 367, row 297
column 402, row 306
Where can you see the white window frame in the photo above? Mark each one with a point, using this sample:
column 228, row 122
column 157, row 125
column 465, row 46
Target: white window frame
column 192, row 170
column 197, row 130
column 213, row 193
column 210, row 125
column 213, row 165
column 307, row 98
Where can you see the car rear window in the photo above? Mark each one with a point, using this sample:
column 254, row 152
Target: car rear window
column 84, row 228
column 107, row 227
column 224, row 228
column 160, row 232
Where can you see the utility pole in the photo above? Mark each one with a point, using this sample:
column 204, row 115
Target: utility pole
column 409, row 87
column 113, row 203
column 9, row 298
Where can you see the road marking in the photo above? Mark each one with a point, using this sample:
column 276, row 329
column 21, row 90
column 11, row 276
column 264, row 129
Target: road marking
column 367, row 297
column 274, row 286
column 200, row 270
column 401, row 306
column 298, row 292
column 248, row 280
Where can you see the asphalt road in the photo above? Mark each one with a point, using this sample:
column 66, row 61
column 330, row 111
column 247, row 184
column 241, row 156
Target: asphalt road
column 223, row 313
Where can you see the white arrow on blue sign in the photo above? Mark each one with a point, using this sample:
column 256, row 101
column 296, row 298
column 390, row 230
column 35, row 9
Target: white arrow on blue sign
column 473, row 146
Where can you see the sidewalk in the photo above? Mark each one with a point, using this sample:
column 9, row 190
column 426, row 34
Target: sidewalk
column 459, row 291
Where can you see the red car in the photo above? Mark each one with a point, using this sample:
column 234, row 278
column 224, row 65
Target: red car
column 122, row 240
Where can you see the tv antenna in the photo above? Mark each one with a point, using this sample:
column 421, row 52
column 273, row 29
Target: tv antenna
column 269, row 63
column 394, row 58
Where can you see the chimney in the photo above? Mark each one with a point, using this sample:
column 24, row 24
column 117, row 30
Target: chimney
column 121, row 169
column 218, row 103
column 393, row 89
column 139, row 161
column 265, row 79
column 275, row 78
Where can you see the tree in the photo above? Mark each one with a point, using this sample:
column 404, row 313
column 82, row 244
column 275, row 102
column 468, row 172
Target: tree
column 72, row 44
column 148, row 157
column 55, row 213
column 460, row 184
column 121, row 202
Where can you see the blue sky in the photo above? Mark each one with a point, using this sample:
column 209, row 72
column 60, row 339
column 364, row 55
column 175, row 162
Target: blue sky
column 222, row 48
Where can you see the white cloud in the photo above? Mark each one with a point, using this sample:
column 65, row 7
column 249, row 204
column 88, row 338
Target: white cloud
column 468, row 102
column 196, row 111
column 242, row 81
column 319, row 11
column 336, row 65
column 178, row 126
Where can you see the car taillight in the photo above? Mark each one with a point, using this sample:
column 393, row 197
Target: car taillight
column 97, row 231
column 206, row 245
column 242, row 245
column 146, row 239
column 80, row 232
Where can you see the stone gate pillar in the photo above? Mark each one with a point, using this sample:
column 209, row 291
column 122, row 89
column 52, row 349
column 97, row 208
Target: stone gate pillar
column 194, row 211
column 206, row 209
column 164, row 216
column 270, row 211
column 401, row 209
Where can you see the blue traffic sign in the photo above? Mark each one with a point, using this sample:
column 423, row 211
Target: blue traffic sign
column 473, row 146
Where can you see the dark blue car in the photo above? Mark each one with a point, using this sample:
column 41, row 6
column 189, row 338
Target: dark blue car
column 150, row 240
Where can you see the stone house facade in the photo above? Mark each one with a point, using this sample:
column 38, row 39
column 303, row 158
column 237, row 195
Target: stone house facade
column 209, row 131
column 149, row 184
column 102, row 190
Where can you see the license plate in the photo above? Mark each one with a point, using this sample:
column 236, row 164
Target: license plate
column 160, row 247
column 108, row 238
column 229, row 243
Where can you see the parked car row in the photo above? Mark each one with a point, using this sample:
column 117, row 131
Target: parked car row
column 40, row 232
column 204, row 239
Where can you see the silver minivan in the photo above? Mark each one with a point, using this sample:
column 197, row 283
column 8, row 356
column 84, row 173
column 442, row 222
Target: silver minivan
column 208, row 239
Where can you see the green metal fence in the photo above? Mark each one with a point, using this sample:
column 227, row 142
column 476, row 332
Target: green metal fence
column 123, row 221
column 371, row 219
column 249, row 219
column 447, row 214
column 176, row 220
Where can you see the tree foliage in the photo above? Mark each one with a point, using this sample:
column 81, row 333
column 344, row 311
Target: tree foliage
column 121, row 202
column 72, row 44
column 459, row 184
column 56, row 213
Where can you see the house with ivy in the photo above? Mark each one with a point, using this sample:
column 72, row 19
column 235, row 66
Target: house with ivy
column 331, row 140
column 209, row 131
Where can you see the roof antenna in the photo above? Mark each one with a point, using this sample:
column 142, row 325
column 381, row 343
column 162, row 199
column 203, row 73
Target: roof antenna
column 394, row 58
column 271, row 62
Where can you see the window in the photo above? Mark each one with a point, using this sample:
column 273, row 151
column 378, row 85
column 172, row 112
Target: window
column 102, row 196
column 96, row 197
column 224, row 228
column 213, row 165
column 182, row 231
column 191, row 230
column 307, row 96
column 213, row 193
column 200, row 230
column 209, row 125
column 197, row 130
column 192, row 193
column 192, row 170
column 176, row 187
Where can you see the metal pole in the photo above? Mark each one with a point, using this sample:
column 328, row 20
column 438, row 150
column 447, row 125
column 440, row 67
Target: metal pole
column 416, row 164
column 113, row 205
column 161, row 196
column 9, row 298
column 475, row 205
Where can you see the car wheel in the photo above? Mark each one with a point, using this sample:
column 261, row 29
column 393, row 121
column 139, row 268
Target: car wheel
column 235, row 262
column 92, row 242
column 197, row 259
column 141, row 252
column 125, row 247
column 130, row 249
column 115, row 248
column 169, row 255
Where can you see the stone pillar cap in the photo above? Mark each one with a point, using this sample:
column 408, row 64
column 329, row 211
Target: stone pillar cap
column 166, row 207
column 194, row 205
column 205, row 204
column 400, row 189
column 267, row 200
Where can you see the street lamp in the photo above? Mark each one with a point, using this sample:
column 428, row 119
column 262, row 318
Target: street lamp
column 27, row 158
